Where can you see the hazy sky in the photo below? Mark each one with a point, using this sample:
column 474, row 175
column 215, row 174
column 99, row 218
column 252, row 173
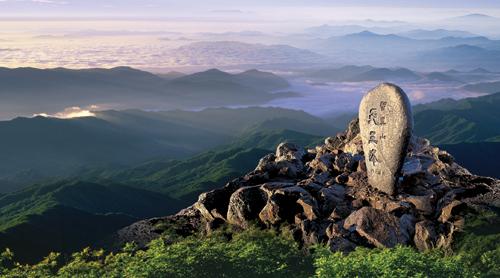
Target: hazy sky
column 286, row 9
column 94, row 33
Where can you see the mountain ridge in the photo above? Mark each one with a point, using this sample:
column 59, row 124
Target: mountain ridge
column 53, row 90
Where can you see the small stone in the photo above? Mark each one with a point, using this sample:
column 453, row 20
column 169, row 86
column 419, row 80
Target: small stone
column 322, row 163
column 412, row 166
column 357, row 203
column 386, row 123
column 342, row 179
column 333, row 143
column 343, row 162
column 335, row 215
column 266, row 164
column 331, row 197
column 289, row 151
column 340, row 244
column 425, row 235
column 282, row 204
column 353, row 130
column 310, row 207
column 445, row 157
column 362, row 165
column 311, row 186
column 407, row 226
column 424, row 204
column 450, row 210
column 357, row 179
column 321, row 178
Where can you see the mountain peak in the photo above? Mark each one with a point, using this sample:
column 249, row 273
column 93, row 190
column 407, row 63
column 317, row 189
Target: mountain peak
column 323, row 194
column 214, row 71
column 476, row 15
column 366, row 33
column 479, row 70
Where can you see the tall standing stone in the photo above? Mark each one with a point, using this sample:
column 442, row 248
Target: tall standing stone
column 386, row 124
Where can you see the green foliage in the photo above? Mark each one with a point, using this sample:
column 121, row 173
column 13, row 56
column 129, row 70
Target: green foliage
column 465, row 120
column 248, row 254
column 68, row 215
column 396, row 262
column 479, row 243
column 186, row 179
column 251, row 253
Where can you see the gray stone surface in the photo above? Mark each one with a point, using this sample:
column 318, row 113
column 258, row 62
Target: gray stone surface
column 386, row 124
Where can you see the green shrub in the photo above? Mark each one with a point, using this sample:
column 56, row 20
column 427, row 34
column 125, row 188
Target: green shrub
column 248, row 254
column 252, row 253
column 479, row 243
column 396, row 262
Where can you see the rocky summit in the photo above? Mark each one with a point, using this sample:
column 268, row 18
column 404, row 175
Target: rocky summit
column 322, row 195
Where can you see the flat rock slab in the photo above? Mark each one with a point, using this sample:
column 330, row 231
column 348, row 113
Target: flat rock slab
column 386, row 124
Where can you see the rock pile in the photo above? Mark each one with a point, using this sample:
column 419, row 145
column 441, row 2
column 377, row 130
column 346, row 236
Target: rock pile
column 322, row 195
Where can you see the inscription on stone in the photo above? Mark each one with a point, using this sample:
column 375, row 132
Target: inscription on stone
column 386, row 124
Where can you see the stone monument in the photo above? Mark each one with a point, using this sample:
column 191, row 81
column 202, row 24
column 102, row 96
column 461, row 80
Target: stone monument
column 386, row 124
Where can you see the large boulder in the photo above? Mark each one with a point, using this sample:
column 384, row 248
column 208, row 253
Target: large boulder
column 245, row 205
column 283, row 204
column 379, row 228
column 287, row 162
column 213, row 204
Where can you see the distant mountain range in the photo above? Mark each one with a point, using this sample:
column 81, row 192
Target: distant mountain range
column 325, row 31
column 224, row 53
column 422, row 34
column 461, row 56
column 26, row 91
column 388, row 45
column 35, row 148
column 391, row 49
column 369, row 73
column 484, row 87
column 467, row 120
column 373, row 42
column 474, row 18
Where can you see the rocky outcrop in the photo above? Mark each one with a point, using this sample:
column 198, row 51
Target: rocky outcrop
column 323, row 196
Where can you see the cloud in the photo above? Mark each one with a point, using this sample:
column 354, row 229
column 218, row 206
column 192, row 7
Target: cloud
column 227, row 11
column 8, row 49
column 56, row 2
column 71, row 112
column 417, row 95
